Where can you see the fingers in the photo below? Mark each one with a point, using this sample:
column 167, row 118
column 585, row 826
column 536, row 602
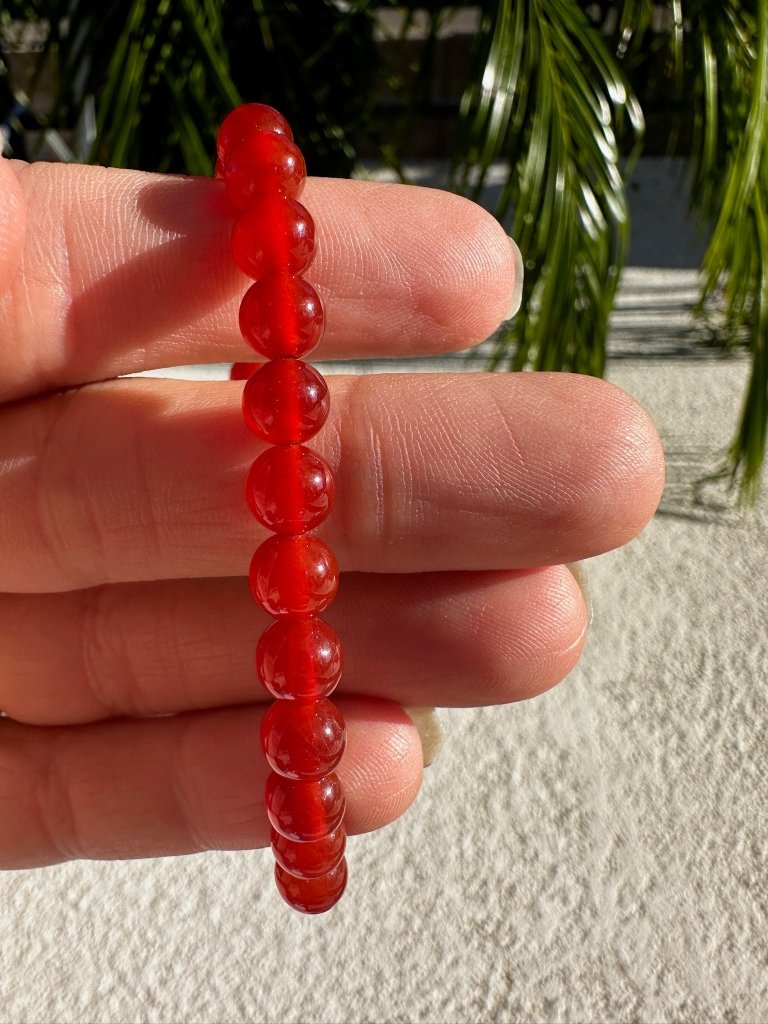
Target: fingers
column 124, row 271
column 180, row 784
column 143, row 479
column 435, row 639
column 12, row 224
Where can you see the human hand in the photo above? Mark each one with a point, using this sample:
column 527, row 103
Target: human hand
column 126, row 627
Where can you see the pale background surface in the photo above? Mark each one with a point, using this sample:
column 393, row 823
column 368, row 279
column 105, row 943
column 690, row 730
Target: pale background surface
column 598, row 854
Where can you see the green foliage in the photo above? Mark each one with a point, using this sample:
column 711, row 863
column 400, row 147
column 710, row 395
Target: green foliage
column 730, row 184
column 165, row 72
column 547, row 98
column 552, row 96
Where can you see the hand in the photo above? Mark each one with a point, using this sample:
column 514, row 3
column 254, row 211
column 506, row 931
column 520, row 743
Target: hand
column 126, row 627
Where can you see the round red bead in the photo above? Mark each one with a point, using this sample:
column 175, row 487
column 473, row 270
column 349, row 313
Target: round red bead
column 312, row 895
column 309, row 860
column 246, row 119
column 281, row 315
column 263, row 163
column 304, row 811
column 273, row 234
column 303, row 741
column 290, row 488
column 294, row 575
column 299, row 659
column 285, row 401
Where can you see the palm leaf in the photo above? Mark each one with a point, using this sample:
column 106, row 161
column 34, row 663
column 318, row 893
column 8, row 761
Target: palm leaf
column 729, row 52
column 162, row 69
column 548, row 99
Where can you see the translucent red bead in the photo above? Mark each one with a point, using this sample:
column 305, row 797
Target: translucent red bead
column 304, row 810
column 303, row 741
column 299, row 659
column 247, row 119
column 263, row 162
column 272, row 235
column 290, row 490
column 312, row 895
column 281, row 315
column 285, row 401
column 294, row 575
column 309, row 860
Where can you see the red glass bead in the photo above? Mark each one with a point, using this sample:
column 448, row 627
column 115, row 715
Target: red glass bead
column 303, row 741
column 281, row 315
column 285, row 402
column 290, row 488
column 263, row 163
column 312, row 895
column 248, row 118
column 294, row 575
column 309, row 860
column 299, row 659
column 242, row 371
column 273, row 234
column 305, row 811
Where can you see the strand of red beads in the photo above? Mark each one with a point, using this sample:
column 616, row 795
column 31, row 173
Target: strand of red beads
column 290, row 489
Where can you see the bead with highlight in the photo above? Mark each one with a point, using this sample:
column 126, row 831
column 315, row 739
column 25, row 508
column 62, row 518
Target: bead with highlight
column 246, row 119
column 281, row 315
column 263, row 164
column 304, row 811
column 299, row 659
column 303, row 740
column 273, row 234
column 312, row 895
column 285, row 401
column 309, row 860
column 295, row 575
column 290, row 489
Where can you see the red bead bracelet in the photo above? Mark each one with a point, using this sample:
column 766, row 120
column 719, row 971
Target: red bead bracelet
column 290, row 490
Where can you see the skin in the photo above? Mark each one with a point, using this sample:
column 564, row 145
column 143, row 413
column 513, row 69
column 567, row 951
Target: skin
column 126, row 627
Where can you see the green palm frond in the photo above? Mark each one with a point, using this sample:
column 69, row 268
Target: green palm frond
column 165, row 72
column 729, row 51
column 548, row 100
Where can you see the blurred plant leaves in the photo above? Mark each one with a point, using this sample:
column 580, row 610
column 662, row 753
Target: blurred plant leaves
column 165, row 73
column 546, row 98
column 729, row 71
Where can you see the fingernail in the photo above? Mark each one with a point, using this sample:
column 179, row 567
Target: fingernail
column 579, row 572
column 430, row 733
column 517, row 295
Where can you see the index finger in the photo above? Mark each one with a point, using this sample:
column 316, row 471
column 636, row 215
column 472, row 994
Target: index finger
column 123, row 271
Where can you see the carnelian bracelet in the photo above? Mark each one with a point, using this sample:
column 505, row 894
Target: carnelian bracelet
column 290, row 489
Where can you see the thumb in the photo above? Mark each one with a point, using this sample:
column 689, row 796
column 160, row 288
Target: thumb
column 13, row 217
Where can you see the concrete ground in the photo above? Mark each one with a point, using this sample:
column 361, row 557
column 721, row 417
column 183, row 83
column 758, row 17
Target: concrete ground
column 597, row 854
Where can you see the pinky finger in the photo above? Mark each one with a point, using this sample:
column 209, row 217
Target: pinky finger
column 179, row 784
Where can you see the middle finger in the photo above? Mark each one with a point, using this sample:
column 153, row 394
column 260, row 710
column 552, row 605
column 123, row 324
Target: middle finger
column 143, row 479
